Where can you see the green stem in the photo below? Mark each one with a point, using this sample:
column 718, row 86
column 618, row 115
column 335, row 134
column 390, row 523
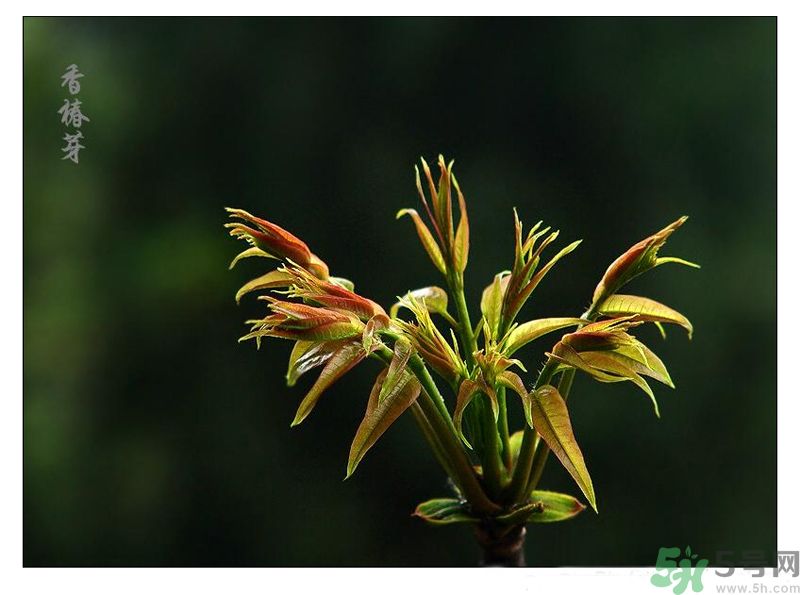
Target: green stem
column 505, row 440
column 462, row 468
column 431, row 438
column 519, row 480
column 435, row 412
column 490, row 461
column 420, row 370
column 468, row 340
column 490, row 451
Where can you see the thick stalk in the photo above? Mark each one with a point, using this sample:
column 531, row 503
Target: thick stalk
column 491, row 463
column 431, row 438
column 505, row 548
column 490, row 459
column 421, row 372
column 462, row 468
column 519, row 480
column 490, row 450
column 468, row 341
column 431, row 404
column 505, row 440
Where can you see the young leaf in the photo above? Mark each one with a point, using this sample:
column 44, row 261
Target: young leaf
column 461, row 245
column 275, row 241
column 492, row 303
column 639, row 258
column 557, row 507
column 426, row 238
column 536, row 279
column 645, row 309
column 525, row 292
column 271, row 280
column 443, row 202
column 307, row 355
column 514, row 382
column 466, row 392
column 514, row 444
column 533, row 329
column 521, row 514
column 397, row 367
column 551, row 420
column 343, row 283
column 386, row 403
column 433, row 298
column 445, row 511
column 342, row 361
column 566, row 355
column 608, row 363
column 651, row 364
column 250, row 252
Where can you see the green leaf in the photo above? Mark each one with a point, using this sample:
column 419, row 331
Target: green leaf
column 607, row 362
column 551, row 420
column 342, row 361
column 426, row 238
column 433, row 298
column 250, row 252
column 566, row 355
column 556, row 507
column 386, row 403
column 526, row 291
column 533, row 329
column 270, row 280
column 650, row 364
column 466, row 392
column 514, row 382
column 543, row 507
column 445, row 511
column 492, row 303
column 521, row 514
column 342, row 282
column 514, row 444
column 666, row 259
column 461, row 245
column 644, row 308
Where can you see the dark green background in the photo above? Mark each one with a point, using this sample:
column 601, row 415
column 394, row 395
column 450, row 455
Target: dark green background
column 152, row 438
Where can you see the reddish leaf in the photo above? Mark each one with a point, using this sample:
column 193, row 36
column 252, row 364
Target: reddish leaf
column 426, row 238
column 644, row 309
column 551, row 420
column 386, row 403
column 341, row 362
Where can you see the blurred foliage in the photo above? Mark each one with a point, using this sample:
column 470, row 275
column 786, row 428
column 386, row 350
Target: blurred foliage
column 152, row 438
